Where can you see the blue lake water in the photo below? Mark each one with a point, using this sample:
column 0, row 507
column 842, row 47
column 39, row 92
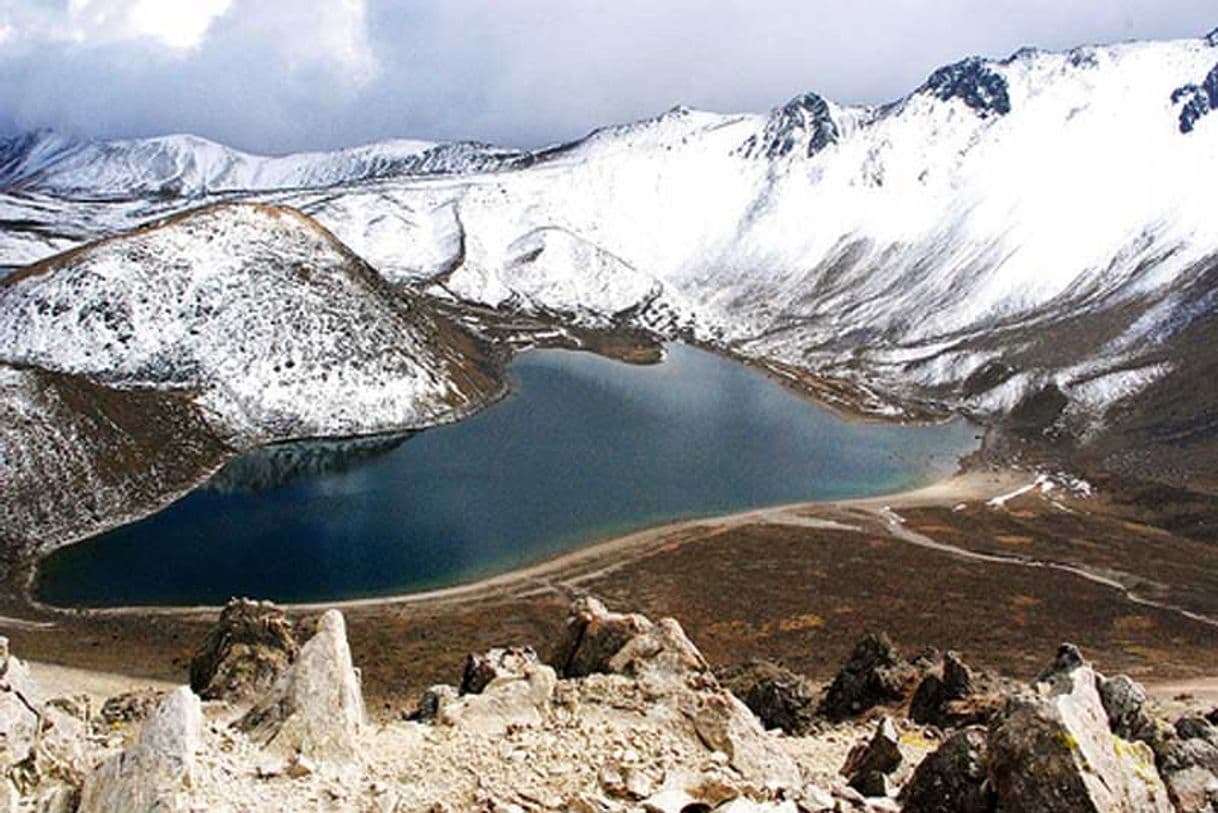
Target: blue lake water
column 584, row 448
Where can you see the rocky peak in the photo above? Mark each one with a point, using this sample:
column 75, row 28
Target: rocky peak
column 805, row 120
column 975, row 83
column 244, row 653
column 1211, row 39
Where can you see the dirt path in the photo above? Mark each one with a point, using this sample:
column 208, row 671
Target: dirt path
column 896, row 527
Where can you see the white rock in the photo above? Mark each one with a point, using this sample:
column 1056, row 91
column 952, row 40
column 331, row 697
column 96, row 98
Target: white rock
column 155, row 773
column 316, row 709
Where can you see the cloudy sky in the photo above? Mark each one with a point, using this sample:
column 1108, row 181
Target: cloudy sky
column 281, row 75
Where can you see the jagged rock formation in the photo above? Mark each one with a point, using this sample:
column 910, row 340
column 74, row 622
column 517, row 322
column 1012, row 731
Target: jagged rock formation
column 874, row 674
column 245, row 654
column 645, row 726
column 1054, row 750
column 315, row 710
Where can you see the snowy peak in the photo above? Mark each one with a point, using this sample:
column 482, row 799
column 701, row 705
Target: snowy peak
column 189, row 166
column 803, row 125
column 277, row 326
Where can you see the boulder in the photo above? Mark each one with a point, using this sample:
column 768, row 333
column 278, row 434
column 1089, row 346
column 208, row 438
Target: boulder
column 874, row 674
column 1188, row 763
column 432, row 701
column 951, row 695
column 953, row 778
column 1125, row 704
column 780, row 698
column 155, row 773
column 597, row 640
column 481, row 669
column 670, row 671
column 315, row 709
column 869, row 763
column 508, row 701
column 1053, row 751
column 725, row 724
column 245, row 653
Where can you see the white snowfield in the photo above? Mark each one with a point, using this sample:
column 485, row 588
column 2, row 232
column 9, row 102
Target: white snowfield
column 906, row 246
column 279, row 330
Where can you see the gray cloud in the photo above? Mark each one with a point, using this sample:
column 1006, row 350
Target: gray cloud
column 279, row 75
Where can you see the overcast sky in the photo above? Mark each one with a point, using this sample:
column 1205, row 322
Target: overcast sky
column 280, row 75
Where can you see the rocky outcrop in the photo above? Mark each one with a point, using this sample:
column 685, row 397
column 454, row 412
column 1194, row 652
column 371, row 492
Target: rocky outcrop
column 245, row 653
column 870, row 763
column 316, row 709
column 597, row 640
column 874, row 674
column 780, row 698
column 951, row 695
column 1053, row 750
column 500, row 662
column 1125, row 704
column 156, row 773
column 516, row 696
column 953, row 779
column 1187, row 759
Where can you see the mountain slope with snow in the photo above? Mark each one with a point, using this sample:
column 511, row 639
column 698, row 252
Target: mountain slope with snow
column 1037, row 227
column 185, row 165
column 277, row 328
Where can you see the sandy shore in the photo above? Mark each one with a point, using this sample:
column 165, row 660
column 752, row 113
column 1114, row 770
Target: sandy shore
column 972, row 486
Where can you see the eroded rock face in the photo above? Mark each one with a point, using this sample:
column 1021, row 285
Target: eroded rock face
column 245, row 653
column 780, row 698
column 315, row 709
column 155, row 773
column 953, row 778
column 131, row 707
column 1053, row 750
column 874, row 674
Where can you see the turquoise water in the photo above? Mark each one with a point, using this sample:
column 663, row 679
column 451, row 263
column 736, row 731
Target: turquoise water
column 583, row 448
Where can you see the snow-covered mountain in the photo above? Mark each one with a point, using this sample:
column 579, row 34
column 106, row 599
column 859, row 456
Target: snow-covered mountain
column 186, row 165
column 275, row 328
column 1032, row 227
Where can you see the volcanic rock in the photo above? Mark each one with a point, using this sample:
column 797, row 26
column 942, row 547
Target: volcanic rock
column 953, row 778
column 873, row 675
column 780, row 698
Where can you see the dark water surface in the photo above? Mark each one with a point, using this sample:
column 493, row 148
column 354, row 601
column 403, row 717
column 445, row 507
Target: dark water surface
column 584, row 448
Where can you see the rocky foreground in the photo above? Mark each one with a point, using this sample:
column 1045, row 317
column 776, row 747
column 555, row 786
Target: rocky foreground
column 621, row 713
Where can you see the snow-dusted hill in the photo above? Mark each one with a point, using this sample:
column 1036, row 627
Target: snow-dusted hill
column 185, row 165
column 276, row 328
column 1037, row 226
